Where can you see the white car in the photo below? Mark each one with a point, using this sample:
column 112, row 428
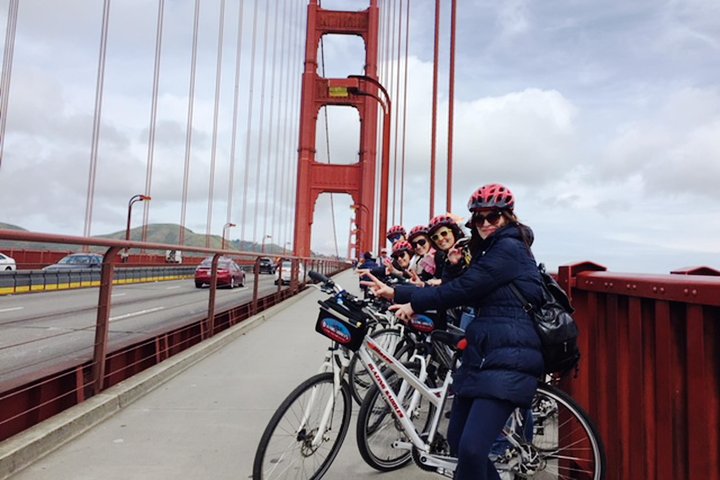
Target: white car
column 7, row 263
column 284, row 274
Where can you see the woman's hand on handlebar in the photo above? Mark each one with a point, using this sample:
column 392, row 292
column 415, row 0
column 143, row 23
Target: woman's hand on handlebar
column 378, row 288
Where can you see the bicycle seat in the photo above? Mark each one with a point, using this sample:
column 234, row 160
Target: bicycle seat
column 454, row 340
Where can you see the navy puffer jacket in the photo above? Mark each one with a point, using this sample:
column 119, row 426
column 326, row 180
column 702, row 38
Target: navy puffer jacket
column 503, row 359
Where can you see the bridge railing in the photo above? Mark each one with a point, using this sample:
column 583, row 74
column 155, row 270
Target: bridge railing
column 36, row 389
column 650, row 369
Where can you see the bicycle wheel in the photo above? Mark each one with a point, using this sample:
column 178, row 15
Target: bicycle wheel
column 358, row 377
column 286, row 449
column 377, row 427
column 565, row 443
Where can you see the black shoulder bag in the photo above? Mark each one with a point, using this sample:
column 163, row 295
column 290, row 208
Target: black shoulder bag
column 554, row 325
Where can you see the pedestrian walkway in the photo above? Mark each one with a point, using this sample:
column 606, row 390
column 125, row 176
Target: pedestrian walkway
column 205, row 422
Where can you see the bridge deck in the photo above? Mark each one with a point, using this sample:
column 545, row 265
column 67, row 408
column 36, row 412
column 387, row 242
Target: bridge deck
column 206, row 421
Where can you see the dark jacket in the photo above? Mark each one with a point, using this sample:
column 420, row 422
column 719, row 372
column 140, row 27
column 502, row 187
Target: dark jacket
column 503, row 359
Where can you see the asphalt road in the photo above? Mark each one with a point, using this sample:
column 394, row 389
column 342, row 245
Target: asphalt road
column 44, row 329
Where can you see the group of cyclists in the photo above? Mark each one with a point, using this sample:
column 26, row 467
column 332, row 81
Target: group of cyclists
column 442, row 267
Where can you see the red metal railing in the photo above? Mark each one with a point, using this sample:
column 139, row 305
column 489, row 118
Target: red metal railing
column 650, row 369
column 35, row 393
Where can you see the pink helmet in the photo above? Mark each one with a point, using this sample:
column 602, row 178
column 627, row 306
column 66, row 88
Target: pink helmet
column 395, row 232
column 401, row 246
column 417, row 231
column 493, row 195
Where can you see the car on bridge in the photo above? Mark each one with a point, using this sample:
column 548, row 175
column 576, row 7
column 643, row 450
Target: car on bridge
column 266, row 265
column 284, row 274
column 7, row 263
column 229, row 274
column 77, row 261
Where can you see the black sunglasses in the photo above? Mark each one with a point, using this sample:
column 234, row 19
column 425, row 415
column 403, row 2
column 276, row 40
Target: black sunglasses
column 419, row 243
column 441, row 233
column 394, row 238
column 492, row 218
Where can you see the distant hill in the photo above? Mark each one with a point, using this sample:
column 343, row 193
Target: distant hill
column 168, row 233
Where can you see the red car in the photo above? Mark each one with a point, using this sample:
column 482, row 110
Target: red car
column 229, row 274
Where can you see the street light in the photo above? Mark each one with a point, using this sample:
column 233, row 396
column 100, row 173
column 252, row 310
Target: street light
column 386, row 105
column 134, row 199
column 354, row 207
column 225, row 227
column 263, row 242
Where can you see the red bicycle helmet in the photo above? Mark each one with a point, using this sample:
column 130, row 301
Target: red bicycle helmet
column 417, row 231
column 401, row 246
column 395, row 231
column 440, row 221
column 493, row 195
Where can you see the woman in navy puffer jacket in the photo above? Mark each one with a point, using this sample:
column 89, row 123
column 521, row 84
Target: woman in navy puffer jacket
column 503, row 360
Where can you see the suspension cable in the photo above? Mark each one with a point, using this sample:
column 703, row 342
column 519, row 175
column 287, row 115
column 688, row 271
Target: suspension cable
column 433, row 135
column 213, row 150
column 251, row 101
column 153, row 117
column 188, row 132
column 236, row 98
column 96, row 118
column 404, row 102
column 258, row 161
column 279, row 157
column 269, row 161
column 397, row 122
column 10, row 34
column 451, row 107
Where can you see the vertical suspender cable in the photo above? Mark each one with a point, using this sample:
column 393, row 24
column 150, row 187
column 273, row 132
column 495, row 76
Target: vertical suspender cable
column 96, row 118
column 7, row 70
column 258, row 160
column 153, row 117
column 188, row 132
column 433, row 135
column 451, row 106
column 292, row 184
column 270, row 159
column 291, row 154
column 236, row 97
column 213, row 151
column 397, row 103
column 279, row 149
column 404, row 103
column 390, row 89
column 248, row 126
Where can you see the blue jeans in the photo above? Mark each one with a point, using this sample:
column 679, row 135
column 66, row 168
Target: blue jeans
column 474, row 427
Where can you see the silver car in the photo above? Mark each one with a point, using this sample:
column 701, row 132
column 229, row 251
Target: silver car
column 7, row 263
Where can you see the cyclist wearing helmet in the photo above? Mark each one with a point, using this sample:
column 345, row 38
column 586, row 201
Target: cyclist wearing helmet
column 503, row 360
column 396, row 233
column 444, row 233
column 423, row 262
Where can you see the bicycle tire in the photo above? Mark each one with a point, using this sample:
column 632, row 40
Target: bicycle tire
column 358, row 377
column 565, row 440
column 377, row 427
column 284, row 450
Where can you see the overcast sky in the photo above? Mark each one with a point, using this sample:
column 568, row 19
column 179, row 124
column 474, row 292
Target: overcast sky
column 602, row 117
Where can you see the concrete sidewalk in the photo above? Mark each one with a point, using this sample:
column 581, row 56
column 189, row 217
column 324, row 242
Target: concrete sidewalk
column 205, row 421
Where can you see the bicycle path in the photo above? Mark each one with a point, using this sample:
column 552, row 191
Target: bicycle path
column 205, row 422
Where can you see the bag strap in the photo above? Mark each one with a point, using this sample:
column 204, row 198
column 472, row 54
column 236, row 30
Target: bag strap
column 527, row 306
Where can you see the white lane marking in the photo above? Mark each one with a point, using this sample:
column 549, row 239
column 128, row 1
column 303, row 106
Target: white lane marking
column 11, row 309
column 119, row 294
column 172, row 288
column 135, row 314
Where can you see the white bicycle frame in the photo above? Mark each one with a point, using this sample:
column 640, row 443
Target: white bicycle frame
column 436, row 396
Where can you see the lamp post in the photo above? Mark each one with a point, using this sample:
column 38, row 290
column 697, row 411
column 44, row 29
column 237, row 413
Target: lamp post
column 286, row 248
column 263, row 242
column 386, row 105
column 134, row 199
column 225, row 227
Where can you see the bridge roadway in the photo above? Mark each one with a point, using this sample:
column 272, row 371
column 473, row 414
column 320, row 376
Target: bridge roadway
column 205, row 421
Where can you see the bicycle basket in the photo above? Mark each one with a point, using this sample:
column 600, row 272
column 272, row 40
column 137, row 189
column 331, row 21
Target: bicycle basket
column 341, row 325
